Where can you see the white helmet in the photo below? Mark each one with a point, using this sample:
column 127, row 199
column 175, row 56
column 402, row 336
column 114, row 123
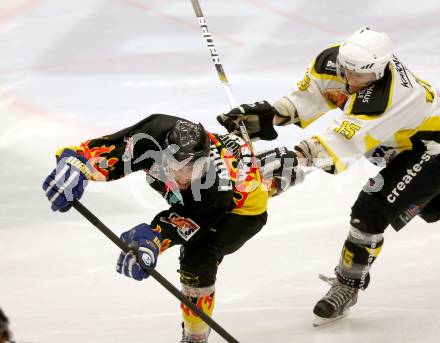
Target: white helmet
column 365, row 51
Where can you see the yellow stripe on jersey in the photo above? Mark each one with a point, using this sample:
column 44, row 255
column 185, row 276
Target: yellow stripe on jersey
column 340, row 166
column 429, row 91
column 304, row 123
column 390, row 98
column 350, row 105
column 71, row 147
column 403, row 137
column 370, row 142
column 430, row 124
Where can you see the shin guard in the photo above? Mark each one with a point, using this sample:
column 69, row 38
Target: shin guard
column 360, row 251
column 195, row 329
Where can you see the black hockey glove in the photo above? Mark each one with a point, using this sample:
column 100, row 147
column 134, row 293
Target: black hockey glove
column 279, row 166
column 257, row 117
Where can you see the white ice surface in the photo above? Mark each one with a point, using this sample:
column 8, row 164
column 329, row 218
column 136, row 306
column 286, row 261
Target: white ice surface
column 71, row 70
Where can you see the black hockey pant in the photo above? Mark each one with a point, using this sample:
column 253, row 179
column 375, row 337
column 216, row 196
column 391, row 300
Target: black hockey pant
column 201, row 253
column 411, row 187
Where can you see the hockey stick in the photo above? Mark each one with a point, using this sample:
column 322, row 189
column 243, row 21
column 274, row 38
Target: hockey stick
column 218, row 65
column 154, row 274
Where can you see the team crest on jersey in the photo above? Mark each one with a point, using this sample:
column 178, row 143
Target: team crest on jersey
column 336, row 96
column 186, row 227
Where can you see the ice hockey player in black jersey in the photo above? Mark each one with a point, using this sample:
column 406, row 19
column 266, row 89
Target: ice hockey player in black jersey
column 386, row 114
column 211, row 182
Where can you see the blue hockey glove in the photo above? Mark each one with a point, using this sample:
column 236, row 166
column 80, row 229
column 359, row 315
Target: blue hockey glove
column 67, row 182
column 145, row 244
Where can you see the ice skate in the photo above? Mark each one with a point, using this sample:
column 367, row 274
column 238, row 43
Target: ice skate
column 336, row 303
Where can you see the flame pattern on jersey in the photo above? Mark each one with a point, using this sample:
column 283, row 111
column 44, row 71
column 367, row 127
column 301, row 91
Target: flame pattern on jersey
column 165, row 243
column 97, row 156
column 250, row 195
column 238, row 189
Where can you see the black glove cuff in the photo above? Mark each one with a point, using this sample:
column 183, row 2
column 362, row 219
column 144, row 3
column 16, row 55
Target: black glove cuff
column 267, row 132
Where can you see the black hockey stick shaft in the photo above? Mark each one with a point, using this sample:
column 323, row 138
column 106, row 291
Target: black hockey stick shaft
column 153, row 272
column 218, row 65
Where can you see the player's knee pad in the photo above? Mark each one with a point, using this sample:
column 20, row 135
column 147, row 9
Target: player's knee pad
column 195, row 329
column 198, row 265
column 358, row 254
column 370, row 214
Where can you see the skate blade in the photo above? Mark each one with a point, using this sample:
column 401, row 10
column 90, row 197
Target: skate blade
column 319, row 321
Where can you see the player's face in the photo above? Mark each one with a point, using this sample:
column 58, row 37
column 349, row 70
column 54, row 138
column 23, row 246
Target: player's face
column 183, row 174
column 358, row 81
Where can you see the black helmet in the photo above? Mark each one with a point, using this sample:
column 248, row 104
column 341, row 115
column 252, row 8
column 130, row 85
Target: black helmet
column 186, row 154
column 191, row 139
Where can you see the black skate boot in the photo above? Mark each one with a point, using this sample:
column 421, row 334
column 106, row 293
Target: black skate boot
column 336, row 303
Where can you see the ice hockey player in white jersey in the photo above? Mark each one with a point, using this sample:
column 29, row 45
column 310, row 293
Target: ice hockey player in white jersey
column 388, row 114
